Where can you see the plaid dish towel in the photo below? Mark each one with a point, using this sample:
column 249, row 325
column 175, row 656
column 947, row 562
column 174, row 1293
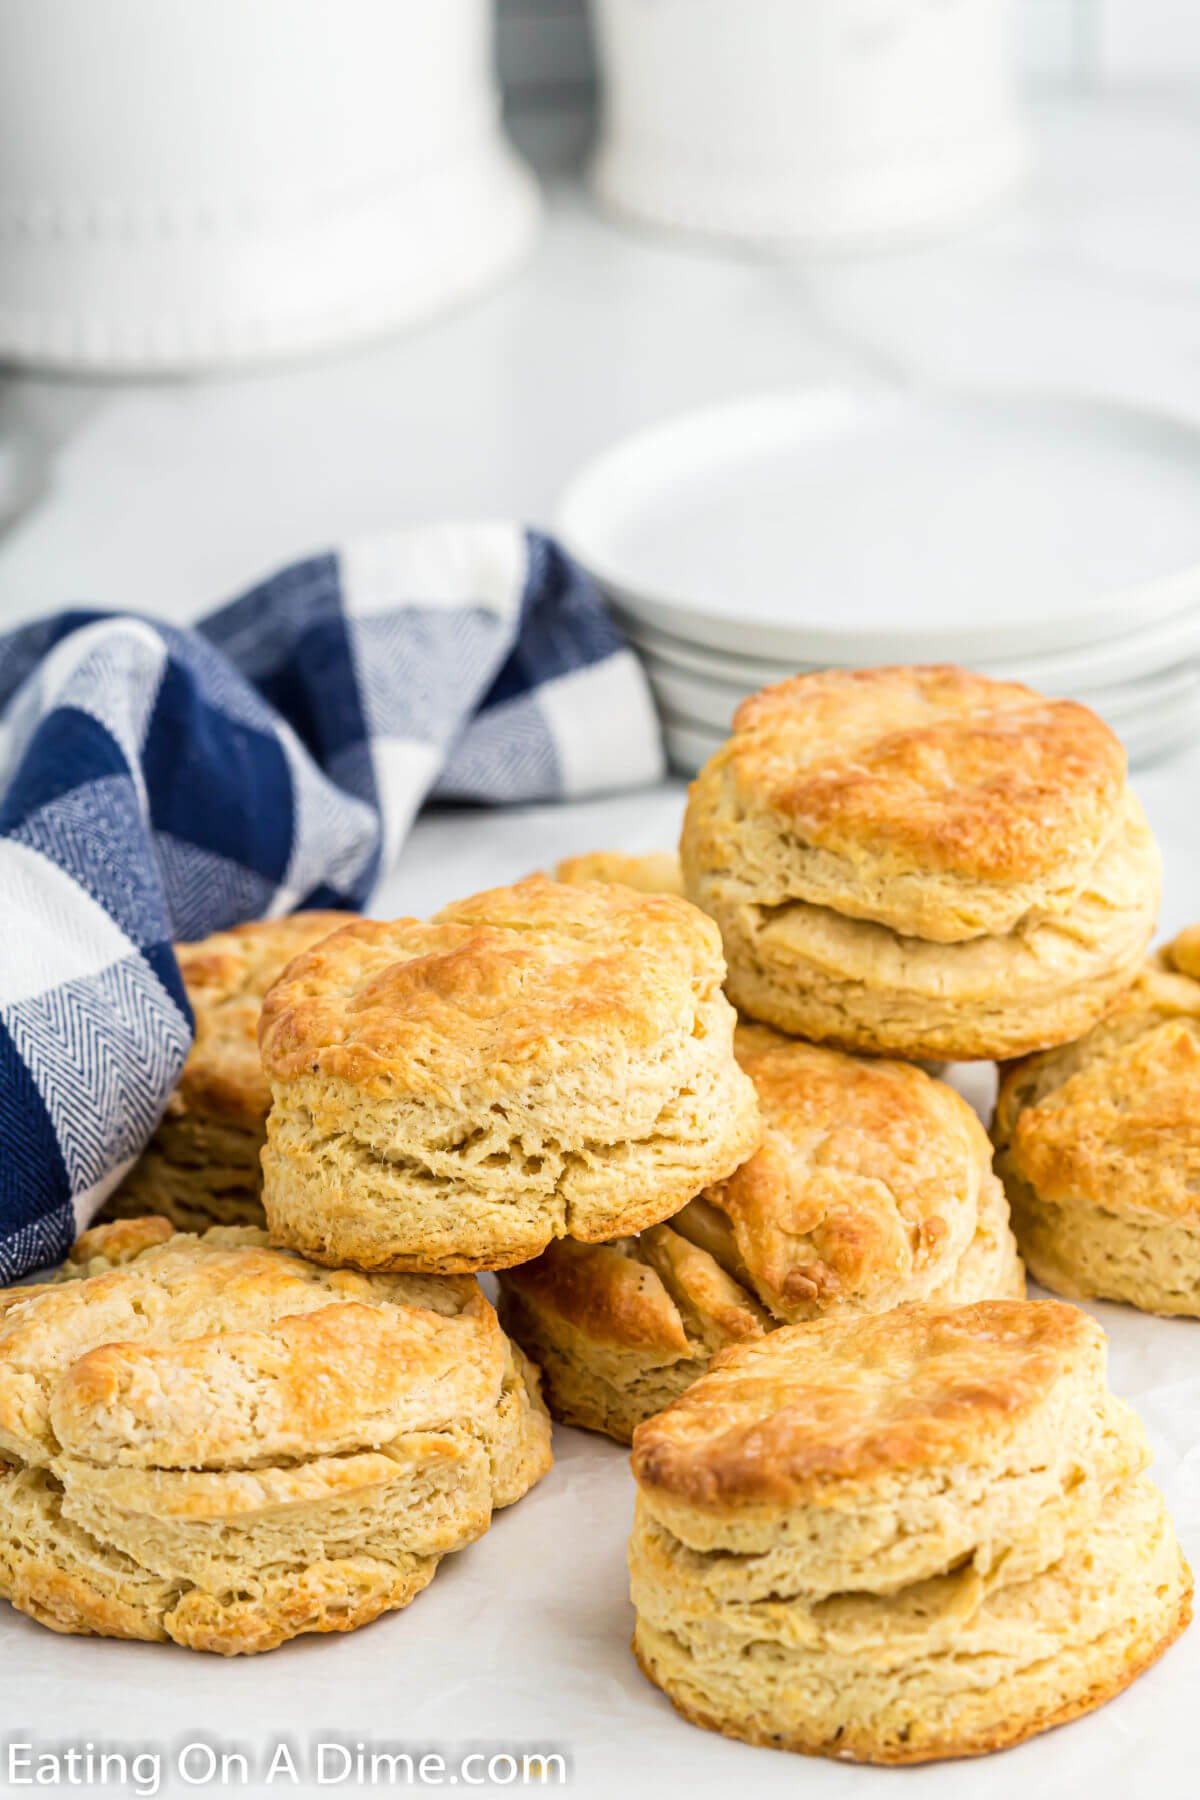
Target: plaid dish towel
column 157, row 784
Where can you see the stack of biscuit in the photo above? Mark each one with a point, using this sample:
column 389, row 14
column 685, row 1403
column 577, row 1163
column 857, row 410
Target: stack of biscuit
column 226, row 1440
column 925, row 864
column 887, row 1508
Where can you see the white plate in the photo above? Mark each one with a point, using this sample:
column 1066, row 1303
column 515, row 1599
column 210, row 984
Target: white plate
column 1129, row 657
column 712, row 703
column 864, row 525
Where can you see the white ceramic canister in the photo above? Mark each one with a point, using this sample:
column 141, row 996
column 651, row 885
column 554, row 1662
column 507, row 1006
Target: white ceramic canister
column 196, row 183
column 833, row 123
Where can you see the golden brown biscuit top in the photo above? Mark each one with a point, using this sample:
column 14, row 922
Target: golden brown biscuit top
column 932, row 766
column 226, row 976
column 1114, row 1118
column 218, row 1352
column 867, row 1179
column 813, row 1407
column 497, row 990
column 653, row 872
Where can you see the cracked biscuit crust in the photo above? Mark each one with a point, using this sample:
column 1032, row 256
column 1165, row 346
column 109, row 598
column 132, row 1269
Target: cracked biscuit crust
column 209, row 1441
column 873, row 1185
column 537, row 1061
column 937, row 802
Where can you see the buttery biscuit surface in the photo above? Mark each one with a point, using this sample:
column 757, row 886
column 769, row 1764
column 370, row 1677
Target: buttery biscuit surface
column 932, row 771
column 850, row 1400
column 533, row 1062
column 210, row 1441
column 226, row 977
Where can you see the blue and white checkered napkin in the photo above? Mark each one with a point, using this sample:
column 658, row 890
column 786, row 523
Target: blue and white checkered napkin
column 159, row 784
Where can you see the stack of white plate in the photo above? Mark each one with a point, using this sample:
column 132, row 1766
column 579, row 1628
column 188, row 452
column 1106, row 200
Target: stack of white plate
column 1044, row 538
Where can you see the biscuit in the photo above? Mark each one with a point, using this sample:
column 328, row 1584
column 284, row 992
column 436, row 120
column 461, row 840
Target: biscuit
column 873, row 1185
column 209, row 1441
column 655, row 872
column 895, row 1539
column 537, row 1061
column 1098, row 1145
column 201, row 1167
column 922, row 862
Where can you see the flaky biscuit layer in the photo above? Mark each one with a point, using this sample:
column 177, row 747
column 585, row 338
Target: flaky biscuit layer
column 892, row 1539
column 873, row 1185
column 202, row 1167
column 837, row 1405
column 1098, row 1144
column 211, row 1441
column 820, row 974
column 969, row 1661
